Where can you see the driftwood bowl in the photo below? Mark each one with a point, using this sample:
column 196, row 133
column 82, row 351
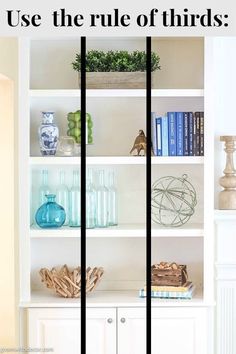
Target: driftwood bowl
column 67, row 283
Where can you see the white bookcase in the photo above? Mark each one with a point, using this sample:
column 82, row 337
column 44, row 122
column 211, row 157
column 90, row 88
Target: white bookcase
column 47, row 81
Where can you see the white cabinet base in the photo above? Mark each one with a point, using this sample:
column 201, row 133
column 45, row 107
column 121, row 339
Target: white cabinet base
column 59, row 329
column 119, row 330
column 174, row 330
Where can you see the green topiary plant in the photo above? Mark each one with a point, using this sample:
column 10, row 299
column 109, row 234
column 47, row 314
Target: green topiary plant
column 116, row 61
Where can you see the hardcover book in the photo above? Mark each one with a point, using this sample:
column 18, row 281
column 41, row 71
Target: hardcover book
column 190, row 133
column 159, row 137
column 197, row 114
column 172, row 133
column 201, row 153
column 180, row 133
column 165, row 139
column 186, row 134
column 188, row 294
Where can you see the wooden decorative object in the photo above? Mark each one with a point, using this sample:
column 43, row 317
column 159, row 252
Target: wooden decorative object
column 227, row 197
column 67, row 283
column 140, row 143
column 115, row 80
column 169, row 274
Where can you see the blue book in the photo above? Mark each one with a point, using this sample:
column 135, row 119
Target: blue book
column 186, row 134
column 154, row 134
column 180, row 133
column 172, row 133
column 159, row 136
column 190, row 133
column 164, row 132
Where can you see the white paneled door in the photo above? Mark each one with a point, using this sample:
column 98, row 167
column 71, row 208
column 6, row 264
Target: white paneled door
column 59, row 330
column 174, row 330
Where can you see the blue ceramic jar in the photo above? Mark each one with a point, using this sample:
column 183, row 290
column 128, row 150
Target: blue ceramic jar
column 48, row 134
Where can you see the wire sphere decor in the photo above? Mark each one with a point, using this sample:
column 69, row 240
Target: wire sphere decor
column 173, row 201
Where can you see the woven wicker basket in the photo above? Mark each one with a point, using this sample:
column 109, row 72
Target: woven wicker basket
column 67, row 283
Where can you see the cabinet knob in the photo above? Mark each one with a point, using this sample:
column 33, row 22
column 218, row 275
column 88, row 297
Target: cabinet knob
column 110, row 320
column 122, row 320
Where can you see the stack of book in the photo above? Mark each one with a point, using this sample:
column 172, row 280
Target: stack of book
column 178, row 134
column 170, row 292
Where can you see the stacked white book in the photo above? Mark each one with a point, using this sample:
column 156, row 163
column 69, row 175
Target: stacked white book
column 170, row 292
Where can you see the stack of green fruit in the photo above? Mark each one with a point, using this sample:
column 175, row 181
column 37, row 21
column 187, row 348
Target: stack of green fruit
column 74, row 126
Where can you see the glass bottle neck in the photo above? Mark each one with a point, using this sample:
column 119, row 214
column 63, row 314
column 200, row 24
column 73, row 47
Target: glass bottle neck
column 50, row 197
column 111, row 179
column 44, row 177
column 62, row 177
column 101, row 178
column 76, row 179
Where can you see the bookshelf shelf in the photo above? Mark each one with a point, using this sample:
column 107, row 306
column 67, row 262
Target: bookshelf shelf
column 123, row 231
column 100, row 298
column 118, row 93
column 117, row 160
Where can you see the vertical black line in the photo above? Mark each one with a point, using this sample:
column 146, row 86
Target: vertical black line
column 148, row 197
column 83, row 195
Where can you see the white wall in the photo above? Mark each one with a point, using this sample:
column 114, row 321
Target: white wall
column 225, row 99
column 8, row 141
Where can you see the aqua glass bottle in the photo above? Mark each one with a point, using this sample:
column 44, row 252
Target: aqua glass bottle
column 75, row 195
column 62, row 193
column 50, row 214
column 90, row 201
column 112, row 200
column 43, row 189
column 102, row 202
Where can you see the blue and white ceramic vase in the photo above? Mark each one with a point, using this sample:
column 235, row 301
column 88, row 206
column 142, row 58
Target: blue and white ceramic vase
column 48, row 134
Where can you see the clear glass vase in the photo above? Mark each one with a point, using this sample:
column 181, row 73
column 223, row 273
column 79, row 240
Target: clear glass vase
column 112, row 200
column 43, row 189
column 62, row 193
column 90, row 201
column 75, row 195
column 102, row 202
column 50, row 214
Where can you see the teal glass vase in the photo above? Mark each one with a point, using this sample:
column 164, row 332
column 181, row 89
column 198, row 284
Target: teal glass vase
column 50, row 214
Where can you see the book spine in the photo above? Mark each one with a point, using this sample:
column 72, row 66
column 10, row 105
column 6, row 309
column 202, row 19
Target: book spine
column 172, row 133
column 159, row 137
column 186, row 134
column 190, row 133
column 197, row 114
column 154, row 135
column 201, row 134
column 165, row 149
column 180, row 133
column 169, row 294
column 194, row 135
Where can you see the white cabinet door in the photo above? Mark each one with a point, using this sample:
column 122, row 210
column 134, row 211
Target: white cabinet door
column 174, row 330
column 59, row 329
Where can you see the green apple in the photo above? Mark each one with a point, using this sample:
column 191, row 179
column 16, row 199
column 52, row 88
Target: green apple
column 90, row 124
column 71, row 124
column 77, row 116
column 70, row 116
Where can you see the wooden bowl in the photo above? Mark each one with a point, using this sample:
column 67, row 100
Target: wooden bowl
column 67, row 283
